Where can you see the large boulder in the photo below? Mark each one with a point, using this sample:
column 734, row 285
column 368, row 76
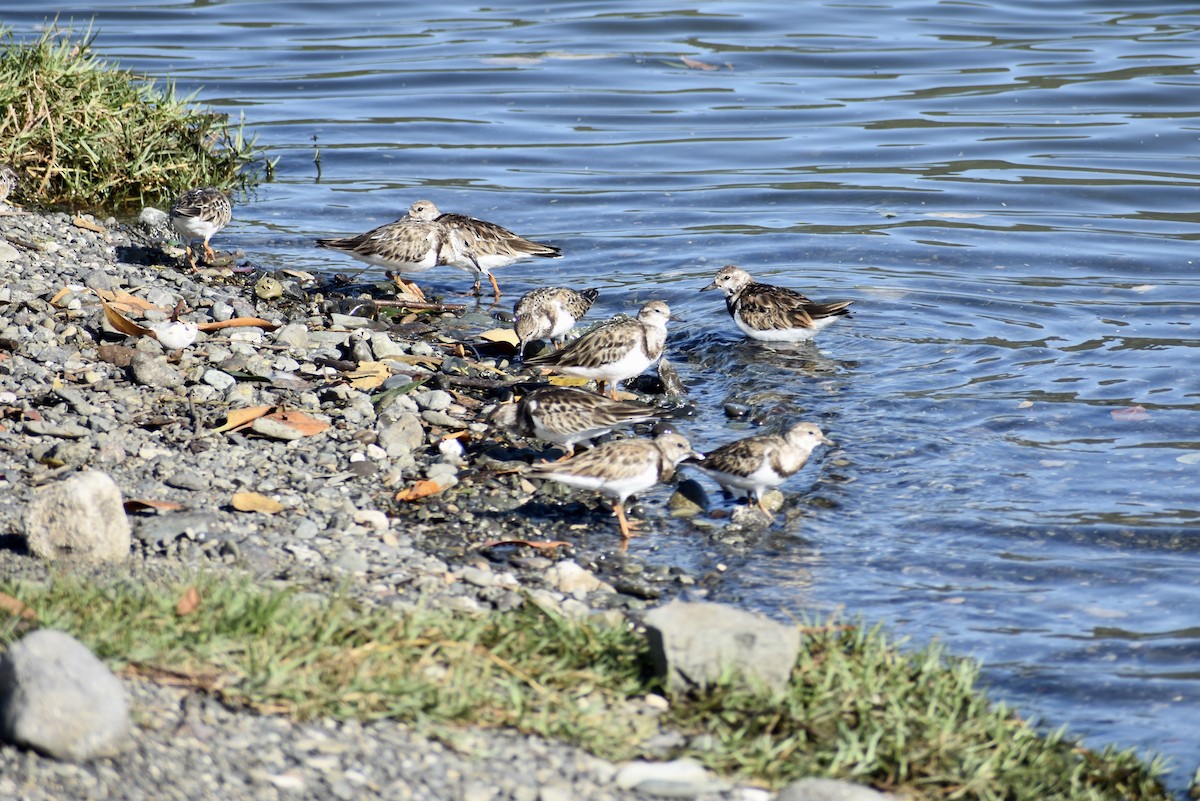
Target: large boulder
column 81, row 517
column 694, row 645
column 58, row 698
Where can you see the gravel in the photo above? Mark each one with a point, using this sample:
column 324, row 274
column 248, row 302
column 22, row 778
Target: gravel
column 77, row 395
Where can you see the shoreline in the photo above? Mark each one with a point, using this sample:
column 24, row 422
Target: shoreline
column 75, row 395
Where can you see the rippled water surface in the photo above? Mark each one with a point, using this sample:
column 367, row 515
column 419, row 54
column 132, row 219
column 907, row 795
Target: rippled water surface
column 1008, row 191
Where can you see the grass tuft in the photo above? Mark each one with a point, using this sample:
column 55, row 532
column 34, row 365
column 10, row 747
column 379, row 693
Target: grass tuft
column 83, row 133
column 857, row 706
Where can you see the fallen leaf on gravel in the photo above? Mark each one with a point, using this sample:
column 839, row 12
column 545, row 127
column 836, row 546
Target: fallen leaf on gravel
column 239, row 322
column 256, row 502
column 541, row 545
column 123, row 301
column 120, row 322
column 419, row 490
column 308, row 426
column 141, row 505
column 244, row 417
column 369, row 375
column 501, row 335
column 83, row 222
column 14, row 607
column 1130, row 414
column 188, row 602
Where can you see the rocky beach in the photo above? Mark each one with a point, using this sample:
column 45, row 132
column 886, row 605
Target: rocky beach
column 312, row 508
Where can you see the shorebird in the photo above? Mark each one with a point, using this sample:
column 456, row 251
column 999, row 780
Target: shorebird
column 412, row 244
column 200, row 214
column 8, row 181
column 548, row 313
column 773, row 313
column 480, row 246
column 566, row 416
column 620, row 468
column 618, row 349
column 756, row 463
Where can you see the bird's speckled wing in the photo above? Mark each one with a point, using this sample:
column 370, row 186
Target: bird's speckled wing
column 599, row 347
column 741, row 457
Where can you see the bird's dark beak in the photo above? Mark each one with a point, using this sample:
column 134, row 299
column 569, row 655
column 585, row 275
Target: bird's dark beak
column 713, row 285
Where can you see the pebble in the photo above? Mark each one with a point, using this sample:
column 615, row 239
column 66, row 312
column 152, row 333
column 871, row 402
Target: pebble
column 681, row 778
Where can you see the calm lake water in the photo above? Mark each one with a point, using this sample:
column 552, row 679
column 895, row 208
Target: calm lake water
column 1007, row 190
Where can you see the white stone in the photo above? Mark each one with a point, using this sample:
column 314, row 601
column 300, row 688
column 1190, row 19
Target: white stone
column 81, row 517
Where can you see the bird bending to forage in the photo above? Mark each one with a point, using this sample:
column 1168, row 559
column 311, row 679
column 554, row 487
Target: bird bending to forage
column 620, row 468
column 566, row 416
column 773, row 313
column 754, row 464
column 200, row 214
column 480, row 246
column 548, row 313
column 616, row 350
column 413, row 243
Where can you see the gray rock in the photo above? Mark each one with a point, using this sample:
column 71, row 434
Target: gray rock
column 218, row 379
column 8, row 253
column 403, row 436
column 58, row 698
column 384, row 347
column 82, row 517
column 828, row 790
column 152, row 371
column 275, row 429
column 153, row 220
column 63, row 430
column 294, row 335
column 695, row 644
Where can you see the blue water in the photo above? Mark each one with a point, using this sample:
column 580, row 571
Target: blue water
column 1007, row 190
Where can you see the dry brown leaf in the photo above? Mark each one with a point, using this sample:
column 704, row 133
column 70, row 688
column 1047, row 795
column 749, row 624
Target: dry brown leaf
column 120, row 322
column 501, row 335
column 142, row 504
column 60, row 294
column 256, row 502
column 419, row 490
column 14, row 607
column 369, row 375
column 308, row 426
column 238, row 418
column 239, row 322
column 693, row 64
column 83, row 222
column 188, row 602
column 123, row 301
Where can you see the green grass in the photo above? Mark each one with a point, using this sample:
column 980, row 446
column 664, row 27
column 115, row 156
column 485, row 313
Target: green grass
column 84, row 134
column 857, row 707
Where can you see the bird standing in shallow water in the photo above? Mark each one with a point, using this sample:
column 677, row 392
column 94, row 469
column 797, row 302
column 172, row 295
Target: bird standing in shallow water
column 412, row 244
column 618, row 349
column 620, row 469
column 773, row 313
column 756, row 463
column 548, row 313
column 480, row 246
column 200, row 214
column 568, row 415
